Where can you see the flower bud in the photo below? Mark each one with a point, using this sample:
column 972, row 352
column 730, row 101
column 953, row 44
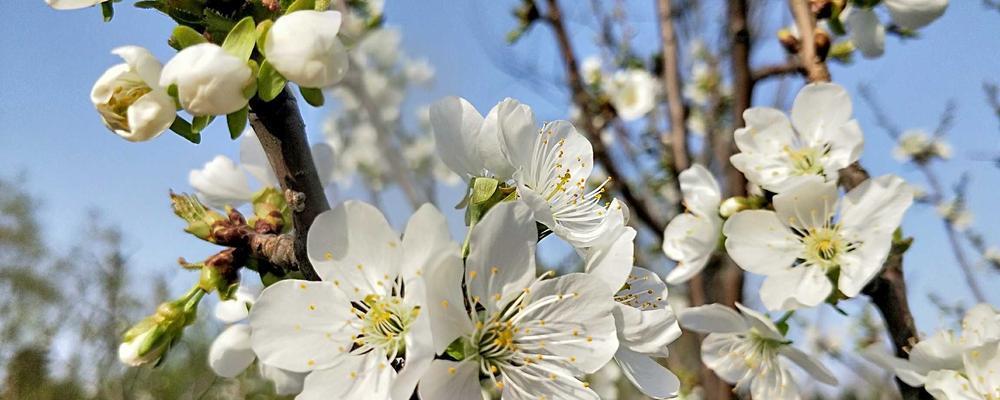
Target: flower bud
column 72, row 4
column 271, row 212
column 867, row 33
column 209, row 80
column 915, row 14
column 788, row 40
column 303, row 46
column 149, row 340
column 129, row 98
column 733, row 205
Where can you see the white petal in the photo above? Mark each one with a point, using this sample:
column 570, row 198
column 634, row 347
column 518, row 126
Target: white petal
column 690, row 240
column 876, row 206
column 719, row 354
column 651, row 378
column 304, row 48
column 820, row 106
column 149, row 116
column 527, row 382
column 572, row 318
column 981, row 324
column 254, row 160
column 142, row 62
column 938, row 351
column 209, row 80
column 811, row 365
column 221, row 182
column 712, row 318
column 301, row 326
column 361, row 377
column 915, row 14
column 456, row 125
column 613, row 262
column 501, row 261
column 230, row 353
column 767, row 131
column 759, row 242
column 450, row 380
column 425, row 241
column 797, row 287
column 903, row 369
column 515, row 124
column 775, row 383
column 72, row 4
column 701, row 191
column 867, row 33
column 646, row 324
column 490, row 141
column 810, row 203
column 237, row 309
column 419, row 355
column 982, row 366
column 445, row 302
column 759, row 321
column 286, row 383
column 950, row 385
column 846, row 144
column 353, row 246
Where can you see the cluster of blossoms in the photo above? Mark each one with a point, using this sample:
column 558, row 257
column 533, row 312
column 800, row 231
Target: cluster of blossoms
column 811, row 244
column 398, row 313
column 950, row 365
column 631, row 91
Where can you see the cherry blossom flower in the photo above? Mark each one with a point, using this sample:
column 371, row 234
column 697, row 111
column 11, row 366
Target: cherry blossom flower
column 361, row 332
column 632, row 92
column 209, row 80
column 915, row 14
column 820, row 139
column 744, row 348
column 868, row 33
column 533, row 337
column 692, row 237
column 303, row 46
column 72, row 4
column 129, row 98
column 917, row 146
column 801, row 247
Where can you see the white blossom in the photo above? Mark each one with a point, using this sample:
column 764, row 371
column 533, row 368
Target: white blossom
column 352, row 329
column 129, row 98
column 209, row 80
column 591, row 69
column 744, row 348
column 534, row 337
column 221, row 182
column 866, row 31
column 632, row 92
column 956, row 214
column 303, row 46
column 950, row 365
column 692, row 237
column 799, row 244
column 72, row 4
column 820, row 139
column 916, row 145
column 915, row 14
column 419, row 71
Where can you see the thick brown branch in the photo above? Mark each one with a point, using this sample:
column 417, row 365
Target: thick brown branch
column 587, row 107
column 282, row 133
column 672, row 86
column 805, row 21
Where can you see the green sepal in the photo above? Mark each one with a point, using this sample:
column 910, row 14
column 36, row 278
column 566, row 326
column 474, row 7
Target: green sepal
column 147, row 4
column 107, row 11
column 199, row 123
column 237, row 122
column 183, row 128
column 270, row 207
column 833, row 22
column 456, row 349
column 300, row 5
column 262, row 29
column 312, row 96
column 184, row 36
column 270, row 83
column 241, row 39
column 482, row 189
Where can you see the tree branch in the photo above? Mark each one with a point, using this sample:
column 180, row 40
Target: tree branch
column 672, row 86
column 776, row 70
column 282, row 133
column 583, row 100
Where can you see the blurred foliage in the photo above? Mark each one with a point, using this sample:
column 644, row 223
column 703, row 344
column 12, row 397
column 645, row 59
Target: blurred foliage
column 63, row 315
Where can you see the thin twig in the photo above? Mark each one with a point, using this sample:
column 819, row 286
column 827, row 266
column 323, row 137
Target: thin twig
column 672, row 86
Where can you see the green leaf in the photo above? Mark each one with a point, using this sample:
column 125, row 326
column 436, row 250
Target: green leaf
column 270, row 83
column 241, row 39
column 183, row 128
column 184, row 36
column 107, row 10
column 313, row 96
column 262, row 29
column 199, row 123
column 237, row 121
column 299, row 5
column 145, row 4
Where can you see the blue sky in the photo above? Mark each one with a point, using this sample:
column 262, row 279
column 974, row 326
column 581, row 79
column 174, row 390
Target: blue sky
column 50, row 132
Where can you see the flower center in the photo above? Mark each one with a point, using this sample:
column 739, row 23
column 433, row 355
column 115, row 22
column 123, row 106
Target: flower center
column 385, row 320
column 115, row 111
column 823, row 245
column 805, row 161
